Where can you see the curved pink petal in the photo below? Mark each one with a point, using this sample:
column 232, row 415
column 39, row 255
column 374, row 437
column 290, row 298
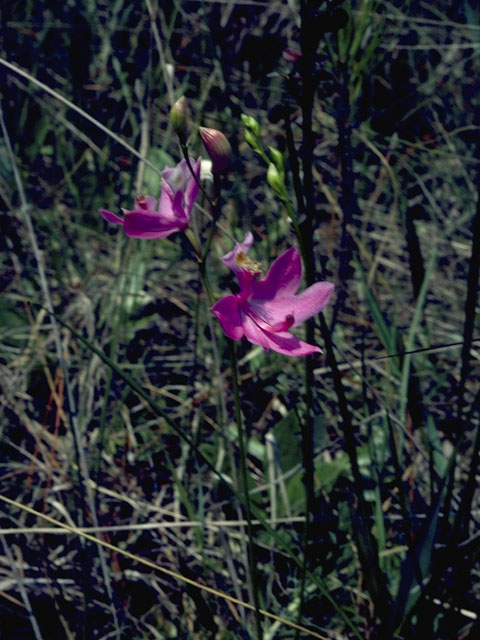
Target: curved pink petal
column 111, row 217
column 176, row 177
column 272, row 312
column 234, row 257
column 285, row 343
column 165, row 204
column 283, row 277
column 311, row 301
column 301, row 306
column 148, row 224
column 178, row 210
column 229, row 315
column 179, row 191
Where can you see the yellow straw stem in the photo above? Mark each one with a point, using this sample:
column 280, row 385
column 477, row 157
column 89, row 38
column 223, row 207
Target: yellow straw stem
column 152, row 565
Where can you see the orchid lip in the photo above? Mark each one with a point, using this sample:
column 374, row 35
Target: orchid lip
column 277, row 327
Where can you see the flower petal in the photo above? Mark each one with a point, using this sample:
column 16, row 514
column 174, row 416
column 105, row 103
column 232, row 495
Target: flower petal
column 283, row 277
column 283, row 324
column 272, row 313
column 229, row 315
column 178, row 210
column 111, row 217
column 311, row 301
column 148, row 224
column 165, row 205
column 283, row 342
column 179, row 192
column 301, row 306
column 176, row 177
column 234, row 257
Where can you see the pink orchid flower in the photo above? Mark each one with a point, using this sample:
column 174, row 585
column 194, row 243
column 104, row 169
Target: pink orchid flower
column 266, row 309
column 146, row 220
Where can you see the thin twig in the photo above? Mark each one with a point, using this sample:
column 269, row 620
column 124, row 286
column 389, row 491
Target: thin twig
column 244, row 484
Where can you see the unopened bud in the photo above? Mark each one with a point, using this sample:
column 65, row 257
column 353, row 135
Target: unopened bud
column 251, row 140
column 218, row 148
column 275, row 180
column 251, row 124
column 291, row 55
column 179, row 118
column 277, row 158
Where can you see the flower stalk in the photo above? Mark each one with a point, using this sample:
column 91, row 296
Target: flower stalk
column 186, row 157
column 244, row 485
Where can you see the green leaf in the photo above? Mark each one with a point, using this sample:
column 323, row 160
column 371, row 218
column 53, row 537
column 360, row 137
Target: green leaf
column 327, row 473
column 287, row 435
column 384, row 326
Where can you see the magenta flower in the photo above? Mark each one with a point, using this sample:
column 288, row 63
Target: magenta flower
column 266, row 309
column 146, row 220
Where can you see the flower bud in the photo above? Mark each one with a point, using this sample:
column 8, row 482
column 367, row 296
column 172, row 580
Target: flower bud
column 275, row 180
column 251, row 140
column 291, row 55
column 251, row 124
column 179, row 118
column 277, row 158
column 218, row 148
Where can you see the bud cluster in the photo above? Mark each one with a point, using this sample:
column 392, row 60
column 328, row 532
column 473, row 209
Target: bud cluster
column 216, row 144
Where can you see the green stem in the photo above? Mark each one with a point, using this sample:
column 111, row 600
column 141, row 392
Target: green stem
column 307, row 431
column 305, row 198
column 244, row 484
column 366, row 542
column 201, row 257
column 192, row 171
column 206, row 282
column 215, row 216
column 291, row 214
column 294, row 164
column 241, row 447
column 202, row 265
